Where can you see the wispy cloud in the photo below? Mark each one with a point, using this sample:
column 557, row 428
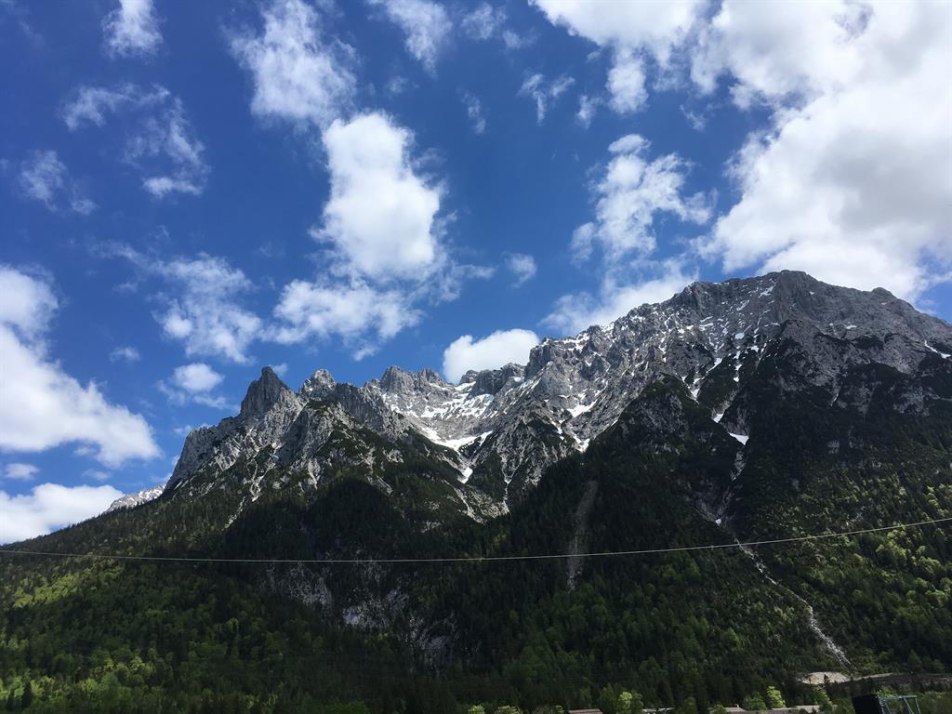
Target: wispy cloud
column 425, row 24
column 201, row 303
column 522, row 266
column 20, row 471
column 544, row 93
column 474, row 110
column 132, row 29
column 161, row 143
column 299, row 74
column 44, row 177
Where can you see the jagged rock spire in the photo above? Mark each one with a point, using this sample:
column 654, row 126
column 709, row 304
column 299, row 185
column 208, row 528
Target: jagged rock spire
column 262, row 394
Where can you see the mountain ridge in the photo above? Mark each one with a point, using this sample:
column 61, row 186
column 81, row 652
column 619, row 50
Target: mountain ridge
column 499, row 429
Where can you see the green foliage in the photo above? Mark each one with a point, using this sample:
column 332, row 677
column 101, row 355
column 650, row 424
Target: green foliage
column 774, row 698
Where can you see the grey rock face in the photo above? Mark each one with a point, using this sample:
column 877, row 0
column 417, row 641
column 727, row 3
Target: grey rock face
column 499, row 429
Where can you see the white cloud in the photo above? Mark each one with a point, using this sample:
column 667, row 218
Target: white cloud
column 773, row 52
column 631, row 193
column 498, row 349
column 125, row 354
column 299, row 74
column 132, row 29
column 196, row 377
column 380, row 219
column 194, row 382
column 383, row 234
column 484, row 22
column 20, row 471
column 851, row 182
column 587, row 106
column 522, row 266
column 40, row 405
column 93, row 105
column 161, row 143
column 543, row 93
column 202, row 308
column 357, row 312
column 576, row 312
column 50, row 506
column 426, row 25
column 632, row 30
column 44, row 177
column 27, row 303
column 655, row 25
column 474, row 109
column 626, row 83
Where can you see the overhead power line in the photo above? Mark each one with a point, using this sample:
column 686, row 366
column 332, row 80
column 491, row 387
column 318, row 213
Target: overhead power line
column 473, row 558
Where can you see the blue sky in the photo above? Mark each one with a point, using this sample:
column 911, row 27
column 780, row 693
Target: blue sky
column 190, row 191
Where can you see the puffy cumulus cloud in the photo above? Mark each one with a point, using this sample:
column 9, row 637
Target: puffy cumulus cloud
column 655, row 25
column 523, row 267
column 631, row 193
column 383, row 234
column 44, row 177
column 27, row 303
column 205, row 315
column 160, row 142
column 495, row 350
column 851, row 181
column 299, row 74
column 426, row 25
column 201, row 301
column 20, row 471
column 40, row 405
column 775, row 51
column 194, row 383
column 380, row 218
column 361, row 314
column 50, row 506
column 576, row 312
column 633, row 31
column 132, row 29
column 544, row 93
column 196, row 377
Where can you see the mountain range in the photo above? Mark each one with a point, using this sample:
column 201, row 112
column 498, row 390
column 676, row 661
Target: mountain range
column 759, row 409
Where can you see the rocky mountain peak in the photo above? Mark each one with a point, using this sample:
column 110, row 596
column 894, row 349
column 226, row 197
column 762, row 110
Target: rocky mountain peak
column 263, row 394
column 318, row 385
column 491, row 381
column 398, row 380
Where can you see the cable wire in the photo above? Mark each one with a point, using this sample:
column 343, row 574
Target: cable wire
column 474, row 558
